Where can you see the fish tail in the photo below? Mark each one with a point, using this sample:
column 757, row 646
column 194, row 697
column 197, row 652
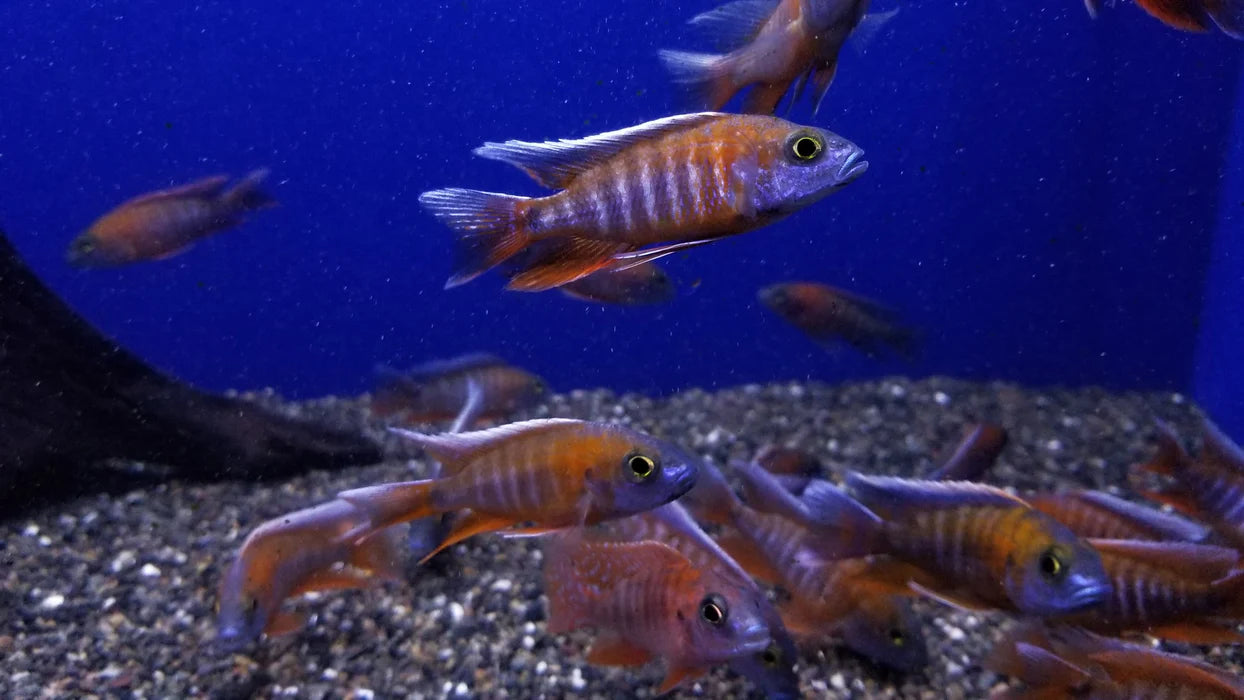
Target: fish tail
column 1170, row 456
column 705, row 75
column 712, row 499
column 489, row 227
column 1188, row 15
column 390, row 504
column 1228, row 15
column 1026, row 654
column 851, row 530
column 249, row 194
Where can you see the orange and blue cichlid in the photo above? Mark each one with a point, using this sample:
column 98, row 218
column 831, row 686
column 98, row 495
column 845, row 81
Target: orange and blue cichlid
column 1098, row 515
column 647, row 601
column 979, row 546
column 552, row 473
column 975, row 454
column 1209, row 487
column 631, row 196
column 773, row 45
column 630, row 286
column 162, row 224
column 1174, row 590
column 1066, row 662
column 827, row 315
column 438, row 390
column 315, row 549
column 1191, row 15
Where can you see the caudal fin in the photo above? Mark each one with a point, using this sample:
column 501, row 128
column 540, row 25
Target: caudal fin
column 487, row 224
column 248, row 194
column 1228, row 15
column 705, row 76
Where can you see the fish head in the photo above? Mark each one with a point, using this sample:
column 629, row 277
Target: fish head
column 242, row 613
column 797, row 302
column 771, row 670
column 88, row 251
column 724, row 619
column 1054, row 572
column 802, row 164
column 884, row 629
column 648, row 473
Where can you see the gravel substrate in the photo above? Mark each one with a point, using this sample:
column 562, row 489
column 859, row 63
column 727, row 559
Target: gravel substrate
column 115, row 596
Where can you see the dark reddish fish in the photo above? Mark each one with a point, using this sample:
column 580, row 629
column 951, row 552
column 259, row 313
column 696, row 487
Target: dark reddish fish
column 162, row 224
column 1066, row 662
column 630, row 286
column 826, row 315
column 1210, row 487
column 1191, row 15
column 974, row 456
column 647, row 601
column 1098, row 515
column 316, row 549
column 437, row 391
column 632, row 196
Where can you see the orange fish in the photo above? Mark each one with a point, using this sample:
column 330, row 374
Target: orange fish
column 162, row 224
column 826, row 314
column 1093, row 514
column 316, row 549
column 776, row 44
column 1210, row 488
column 1191, row 15
column 1067, row 662
column 647, row 601
column 642, row 284
column 438, row 390
column 975, row 454
column 671, row 184
column 553, row 473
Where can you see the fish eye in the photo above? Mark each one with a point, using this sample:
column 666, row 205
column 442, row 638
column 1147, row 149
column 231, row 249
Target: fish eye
column 771, row 656
column 1050, row 564
column 806, row 147
column 640, row 467
column 713, row 610
column 897, row 638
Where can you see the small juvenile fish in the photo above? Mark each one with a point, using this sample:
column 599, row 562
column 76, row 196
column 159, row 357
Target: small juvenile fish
column 162, row 224
column 974, row 456
column 437, row 391
column 1190, row 15
column 647, row 601
column 778, row 44
column 1174, row 590
column 294, row 554
column 1209, row 488
column 826, row 314
column 553, row 473
column 1067, row 662
column 642, row 284
column 671, row 184
column 979, row 546
column 1098, row 515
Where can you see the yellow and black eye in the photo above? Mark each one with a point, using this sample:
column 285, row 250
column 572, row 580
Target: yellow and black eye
column 1051, row 564
column 771, row 656
column 640, row 467
column 897, row 638
column 806, row 147
column 713, row 610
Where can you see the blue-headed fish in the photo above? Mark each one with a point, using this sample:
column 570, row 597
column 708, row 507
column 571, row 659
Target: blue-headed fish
column 632, row 196
column 1210, row 487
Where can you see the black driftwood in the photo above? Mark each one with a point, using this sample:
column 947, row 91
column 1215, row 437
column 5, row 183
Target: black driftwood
column 74, row 405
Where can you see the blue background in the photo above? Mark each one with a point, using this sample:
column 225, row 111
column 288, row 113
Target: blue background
column 1043, row 197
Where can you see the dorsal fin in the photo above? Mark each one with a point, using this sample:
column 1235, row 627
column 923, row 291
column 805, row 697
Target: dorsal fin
column 735, row 23
column 453, row 365
column 890, row 495
column 207, row 187
column 1198, row 562
column 1166, row 526
column 1219, row 450
column 454, row 450
column 555, row 164
column 1164, row 668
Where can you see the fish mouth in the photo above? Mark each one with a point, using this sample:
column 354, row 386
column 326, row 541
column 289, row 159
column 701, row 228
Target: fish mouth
column 852, row 167
column 753, row 639
column 1089, row 596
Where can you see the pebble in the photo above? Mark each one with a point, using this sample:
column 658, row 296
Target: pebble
column 149, row 571
column 52, row 602
column 502, row 584
column 456, row 612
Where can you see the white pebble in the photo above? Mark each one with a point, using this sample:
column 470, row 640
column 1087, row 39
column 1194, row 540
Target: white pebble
column 529, row 642
column 456, row 612
column 122, row 561
column 30, row 530
column 541, row 668
column 838, row 681
column 329, row 674
column 941, row 399
column 448, row 687
column 363, row 694
column 502, row 584
column 576, row 680
column 1054, row 445
column 897, row 391
column 149, row 570
column 52, row 602
column 955, row 633
column 461, row 690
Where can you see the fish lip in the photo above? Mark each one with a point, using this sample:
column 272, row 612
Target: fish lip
column 853, row 166
column 1089, row 596
column 754, row 638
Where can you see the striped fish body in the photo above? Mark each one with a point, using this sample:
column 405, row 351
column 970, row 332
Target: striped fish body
column 1147, row 596
column 1219, row 494
column 1086, row 520
column 1092, row 514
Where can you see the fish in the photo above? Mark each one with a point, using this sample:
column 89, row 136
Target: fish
column 553, row 473
column 1098, row 515
column 771, row 670
column 647, row 601
column 775, row 46
column 295, row 554
column 792, row 467
column 436, row 391
column 159, row 225
column 975, row 454
column 980, row 547
column 1190, row 15
column 635, row 195
column 1209, row 488
column 1069, row 662
column 834, row 600
column 641, row 284
column 826, row 315
column 1174, row 590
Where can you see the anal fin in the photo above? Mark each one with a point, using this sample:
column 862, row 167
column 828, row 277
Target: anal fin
column 1193, row 633
column 612, row 650
column 676, row 675
column 954, row 600
column 554, row 262
column 469, row 525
